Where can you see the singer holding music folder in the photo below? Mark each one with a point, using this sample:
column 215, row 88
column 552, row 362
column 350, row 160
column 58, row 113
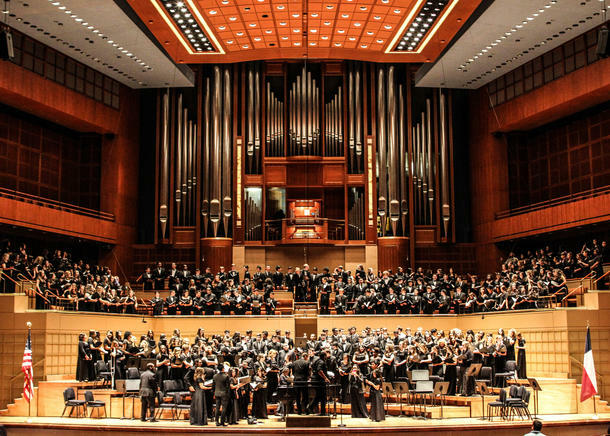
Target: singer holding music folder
column 148, row 390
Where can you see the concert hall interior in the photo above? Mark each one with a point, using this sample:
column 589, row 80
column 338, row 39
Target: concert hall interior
column 317, row 216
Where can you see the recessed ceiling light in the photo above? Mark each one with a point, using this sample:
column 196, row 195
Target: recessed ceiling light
column 230, row 41
column 363, row 45
column 314, row 30
column 252, row 24
column 213, row 12
column 337, row 44
column 240, row 33
column 258, row 38
column 327, row 23
column 369, row 33
column 387, row 27
column 284, row 38
column 232, row 18
column 296, row 30
column 245, row 46
column 341, row 31
column 295, row 15
column 377, row 17
column 397, row 11
column 315, row 15
column 363, row 8
column 357, row 24
column 269, row 31
column 312, row 43
column 222, row 27
column 379, row 41
column 325, row 37
column 351, row 38
column 281, row 7
column 329, row 6
column 297, row 43
column 282, row 23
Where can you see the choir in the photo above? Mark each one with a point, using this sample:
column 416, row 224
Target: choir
column 262, row 368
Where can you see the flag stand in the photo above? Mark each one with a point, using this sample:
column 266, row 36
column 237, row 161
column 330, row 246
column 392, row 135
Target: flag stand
column 595, row 415
column 29, row 324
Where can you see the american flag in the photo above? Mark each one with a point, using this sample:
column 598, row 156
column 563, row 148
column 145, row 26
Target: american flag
column 28, row 371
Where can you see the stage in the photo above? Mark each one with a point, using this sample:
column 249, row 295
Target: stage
column 555, row 425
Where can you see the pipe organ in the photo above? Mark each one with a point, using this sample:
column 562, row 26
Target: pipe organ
column 356, row 137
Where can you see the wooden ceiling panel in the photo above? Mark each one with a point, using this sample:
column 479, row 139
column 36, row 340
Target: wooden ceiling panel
column 245, row 30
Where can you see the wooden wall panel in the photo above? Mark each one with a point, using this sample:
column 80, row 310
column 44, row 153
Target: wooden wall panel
column 489, row 187
column 392, row 253
column 333, row 175
column 48, row 219
column 275, row 175
column 216, row 252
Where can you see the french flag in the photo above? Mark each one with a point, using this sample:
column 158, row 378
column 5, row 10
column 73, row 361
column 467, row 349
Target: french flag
column 589, row 383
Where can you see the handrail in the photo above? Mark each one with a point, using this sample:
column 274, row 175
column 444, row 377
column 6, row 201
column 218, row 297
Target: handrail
column 607, row 273
column 54, row 204
column 553, row 202
column 10, row 382
column 2, row 273
column 598, row 376
column 571, row 292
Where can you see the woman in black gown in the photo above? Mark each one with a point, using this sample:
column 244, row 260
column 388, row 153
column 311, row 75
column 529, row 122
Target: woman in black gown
column 163, row 364
column 344, row 370
column 234, row 409
column 400, row 362
column 521, row 362
column 84, row 359
column 259, row 395
column 198, row 414
column 511, row 341
column 356, row 393
column 375, row 380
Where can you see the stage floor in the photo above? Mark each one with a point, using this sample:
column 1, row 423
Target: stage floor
column 567, row 424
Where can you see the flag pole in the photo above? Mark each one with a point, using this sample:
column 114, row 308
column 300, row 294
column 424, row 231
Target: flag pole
column 29, row 324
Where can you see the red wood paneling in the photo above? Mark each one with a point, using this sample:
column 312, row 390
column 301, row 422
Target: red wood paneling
column 489, row 186
column 392, row 253
column 216, row 252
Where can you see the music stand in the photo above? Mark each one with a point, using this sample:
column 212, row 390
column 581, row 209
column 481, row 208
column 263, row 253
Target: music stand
column 333, row 392
column 483, row 390
column 120, row 386
column 473, row 371
column 388, row 390
column 401, row 388
column 441, row 388
column 133, row 386
column 536, row 387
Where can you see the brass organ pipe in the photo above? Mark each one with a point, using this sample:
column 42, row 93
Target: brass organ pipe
column 304, row 110
column 403, row 162
column 250, row 120
column 431, row 162
column 194, row 172
column 351, row 115
column 338, row 114
column 393, row 158
column 446, row 208
column 268, row 120
column 227, row 207
column 257, row 119
column 189, row 179
column 164, row 203
column 215, row 194
column 358, row 127
column 178, row 195
column 308, row 111
column 423, row 171
column 184, row 163
column 205, row 149
column 381, row 145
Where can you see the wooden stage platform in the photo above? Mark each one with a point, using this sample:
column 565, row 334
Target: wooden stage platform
column 554, row 425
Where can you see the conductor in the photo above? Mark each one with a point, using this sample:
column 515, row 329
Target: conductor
column 221, row 392
column 148, row 390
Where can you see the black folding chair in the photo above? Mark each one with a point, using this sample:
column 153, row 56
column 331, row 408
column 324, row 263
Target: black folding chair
column 499, row 404
column 163, row 405
column 133, row 373
column 179, row 405
column 509, row 372
column 102, row 372
column 71, row 402
column 520, row 406
column 95, row 404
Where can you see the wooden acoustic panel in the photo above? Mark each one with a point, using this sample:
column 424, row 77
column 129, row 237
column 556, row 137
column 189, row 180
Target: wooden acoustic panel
column 392, row 253
column 333, row 174
column 425, row 235
column 216, row 252
column 275, row 175
column 184, row 237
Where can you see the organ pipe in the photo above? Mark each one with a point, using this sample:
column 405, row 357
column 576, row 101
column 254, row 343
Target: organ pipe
column 393, row 157
column 446, row 208
column 205, row 202
column 358, row 113
column 304, row 131
column 381, row 145
column 403, row 162
column 178, row 182
column 250, row 146
column 227, row 208
column 215, row 193
column 164, row 177
column 184, row 170
column 257, row 118
column 430, row 163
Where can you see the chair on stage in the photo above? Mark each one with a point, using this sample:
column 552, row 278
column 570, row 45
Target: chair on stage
column 179, row 405
column 71, row 401
column 95, row 404
column 171, row 387
column 440, row 391
column 423, row 389
column 519, row 405
column 485, row 375
column 102, row 372
column 163, row 405
column 388, row 391
column 499, row 404
column 509, row 373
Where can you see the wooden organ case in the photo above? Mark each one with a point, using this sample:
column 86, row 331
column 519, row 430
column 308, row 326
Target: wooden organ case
column 342, row 154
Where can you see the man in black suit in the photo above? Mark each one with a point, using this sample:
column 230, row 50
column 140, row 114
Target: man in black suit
column 221, row 392
column 148, row 390
column 319, row 380
column 300, row 372
column 159, row 276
